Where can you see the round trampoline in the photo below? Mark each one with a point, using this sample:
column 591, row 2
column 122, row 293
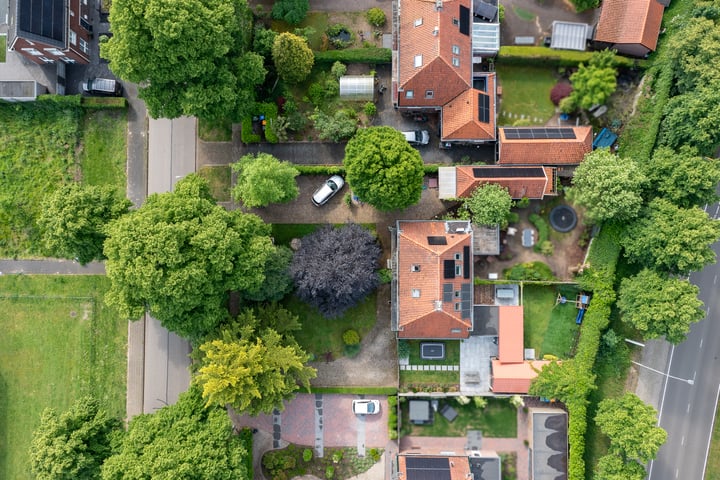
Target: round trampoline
column 563, row 218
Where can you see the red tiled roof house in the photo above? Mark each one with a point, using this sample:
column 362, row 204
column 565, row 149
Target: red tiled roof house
column 563, row 146
column 631, row 27
column 432, row 284
column 533, row 182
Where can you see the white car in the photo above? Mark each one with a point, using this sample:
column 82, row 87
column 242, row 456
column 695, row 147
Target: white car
column 417, row 137
column 327, row 190
column 366, row 407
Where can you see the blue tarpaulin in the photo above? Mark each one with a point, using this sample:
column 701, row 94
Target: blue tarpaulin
column 604, row 139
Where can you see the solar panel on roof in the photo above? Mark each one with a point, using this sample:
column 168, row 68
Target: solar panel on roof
column 540, row 133
column 464, row 20
column 439, row 240
column 423, row 468
column 468, row 261
column 505, row 172
column 448, row 268
column 483, row 108
column 447, row 292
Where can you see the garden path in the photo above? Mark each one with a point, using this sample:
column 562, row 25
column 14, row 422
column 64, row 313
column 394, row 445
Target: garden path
column 50, row 266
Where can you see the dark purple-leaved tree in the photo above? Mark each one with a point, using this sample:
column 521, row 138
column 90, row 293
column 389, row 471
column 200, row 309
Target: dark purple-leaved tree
column 335, row 268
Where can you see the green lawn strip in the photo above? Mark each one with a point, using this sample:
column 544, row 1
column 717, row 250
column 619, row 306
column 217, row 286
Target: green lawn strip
column 452, row 353
column 59, row 342
column 549, row 328
column 3, row 47
column 215, row 131
column 526, row 91
column 497, row 420
column 104, row 155
column 219, row 178
column 38, row 154
column 320, row 335
column 433, row 380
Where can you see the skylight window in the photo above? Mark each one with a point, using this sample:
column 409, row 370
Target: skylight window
column 418, row 61
column 418, row 22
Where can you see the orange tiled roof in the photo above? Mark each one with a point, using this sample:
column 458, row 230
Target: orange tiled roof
column 436, row 72
column 460, row 116
column 514, row 377
column 459, row 466
column 532, row 187
column 630, row 21
column 510, row 334
column 422, row 313
column 545, row 151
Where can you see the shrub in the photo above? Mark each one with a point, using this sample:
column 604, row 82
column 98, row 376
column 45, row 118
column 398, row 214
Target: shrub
column 517, row 401
column 316, row 94
column 376, row 17
column 403, row 349
column 544, row 57
column 543, row 230
column 462, row 400
column 537, row 271
column 559, row 91
column 351, row 337
column 337, row 456
column 524, row 202
column 329, row 472
column 501, row 13
column 392, row 401
column 385, row 275
column 338, row 69
column 393, row 434
column 374, row 454
column 307, row 455
column 546, row 248
column 320, row 169
column 375, row 55
column 513, row 217
column 480, row 402
column 370, row 109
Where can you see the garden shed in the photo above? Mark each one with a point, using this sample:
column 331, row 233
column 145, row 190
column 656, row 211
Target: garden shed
column 357, row 87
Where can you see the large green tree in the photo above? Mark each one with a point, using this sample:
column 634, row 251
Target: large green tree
column 489, row 204
column 685, row 178
column 74, row 217
column 191, row 57
column 185, row 440
column 278, row 281
column 179, row 254
column 592, row 83
column 263, row 179
column 613, row 467
column 74, row 444
column 566, row 381
column 631, row 426
column 693, row 119
column 292, row 56
column 253, row 374
column 658, row 306
column 671, row 239
column 383, row 169
column 292, row 11
column 608, row 187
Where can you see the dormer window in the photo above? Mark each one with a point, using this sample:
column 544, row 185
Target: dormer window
column 415, row 292
column 418, row 22
column 415, row 268
column 418, row 61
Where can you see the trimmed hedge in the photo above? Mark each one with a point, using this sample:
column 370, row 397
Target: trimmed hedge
column 246, row 133
column 340, row 169
column 544, row 56
column 103, row 102
column 374, row 55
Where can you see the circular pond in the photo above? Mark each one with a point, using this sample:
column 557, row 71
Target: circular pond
column 563, row 218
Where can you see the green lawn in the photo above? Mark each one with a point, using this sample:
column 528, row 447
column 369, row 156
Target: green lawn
column 525, row 91
column 219, row 178
column 452, row 353
column 59, row 342
column 436, row 380
column 217, row 131
column 549, row 328
column 320, row 335
column 318, row 21
column 3, row 47
column 497, row 420
column 104, row 154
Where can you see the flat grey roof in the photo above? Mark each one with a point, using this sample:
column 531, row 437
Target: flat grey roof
column 569, row 35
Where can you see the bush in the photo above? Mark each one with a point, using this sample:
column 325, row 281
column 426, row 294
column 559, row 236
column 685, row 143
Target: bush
column 543, row 230
column 320, row 169
column 329, row 472
column 103, row 102
column 462, row 400
column 385, row 275
column 392, row 401
column 403, row 349
column 307, row 455
column 374, row 454
column 337, row 456
column 546, row 248
column 480, row 402
column 338, row 69
column 370, row 109
column 544, row 57
column 393, row 434
column 376, row 17
column 559, row 91
column 375, row 55
column 537, row 271
column 351, row 337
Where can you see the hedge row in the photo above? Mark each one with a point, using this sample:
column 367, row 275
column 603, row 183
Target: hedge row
column 340, row 169
column 270, row 111
column 544, row 56
column 103, row 102
column 374, row 55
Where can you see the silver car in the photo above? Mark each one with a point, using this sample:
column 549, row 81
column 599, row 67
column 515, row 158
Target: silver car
column 327, row 190
column 417, row 137
column 365, row 407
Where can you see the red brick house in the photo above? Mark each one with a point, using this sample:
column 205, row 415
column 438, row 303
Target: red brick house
column 47, row 31
column 432, row 284
column 561, row 146
column 533, row 182
column 630, row 26
column 436, row 70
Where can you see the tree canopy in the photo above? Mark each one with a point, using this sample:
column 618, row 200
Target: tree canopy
column 593, row 83
column 684, row 178
column 191, row 57
column 608, row 187
column 73, row 220
column 253, row 374
column 278, row 281
column 489, row 204
column 291, row 11
column 693, row 119
column 293, row 58
column 671, row 239
column 263, row 179
column 631, row 426
column 564, row 381
column 335, row 268
column 74, row 444
column 613, row 467
column 383, row 169
column 184, row 440
column 659, row 306
column 179, row 254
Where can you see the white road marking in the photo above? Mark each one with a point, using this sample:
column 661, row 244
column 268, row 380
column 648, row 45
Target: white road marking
column 682, row 441
column 712, row 427
column 701, row 342
column 662, row 399
column 715, row 280
column 707, row 311
column 688, row 409
column 677, row 472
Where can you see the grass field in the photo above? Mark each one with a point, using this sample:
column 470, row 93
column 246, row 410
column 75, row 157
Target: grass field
column 320, row 335
column 3, row 47
column 104, row 154
column 59, row 342
column 549, row 328
column 219, row 179
column 418, row 379
column 526, row 91
column 452, row 353
column 497, row 420
column 217, row 131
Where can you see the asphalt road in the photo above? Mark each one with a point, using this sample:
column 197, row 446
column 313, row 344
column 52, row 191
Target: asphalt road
column 687, row 411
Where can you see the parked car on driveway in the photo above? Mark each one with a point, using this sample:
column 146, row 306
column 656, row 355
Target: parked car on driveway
column 366, row 407
column 327, row 190
column 417, row 137
column 102, row 86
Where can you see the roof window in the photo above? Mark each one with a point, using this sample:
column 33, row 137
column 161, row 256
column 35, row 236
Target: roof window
column 415, row 292
column 418, row 61
column 409, row 94
column 415, row 268
column 418, row 22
